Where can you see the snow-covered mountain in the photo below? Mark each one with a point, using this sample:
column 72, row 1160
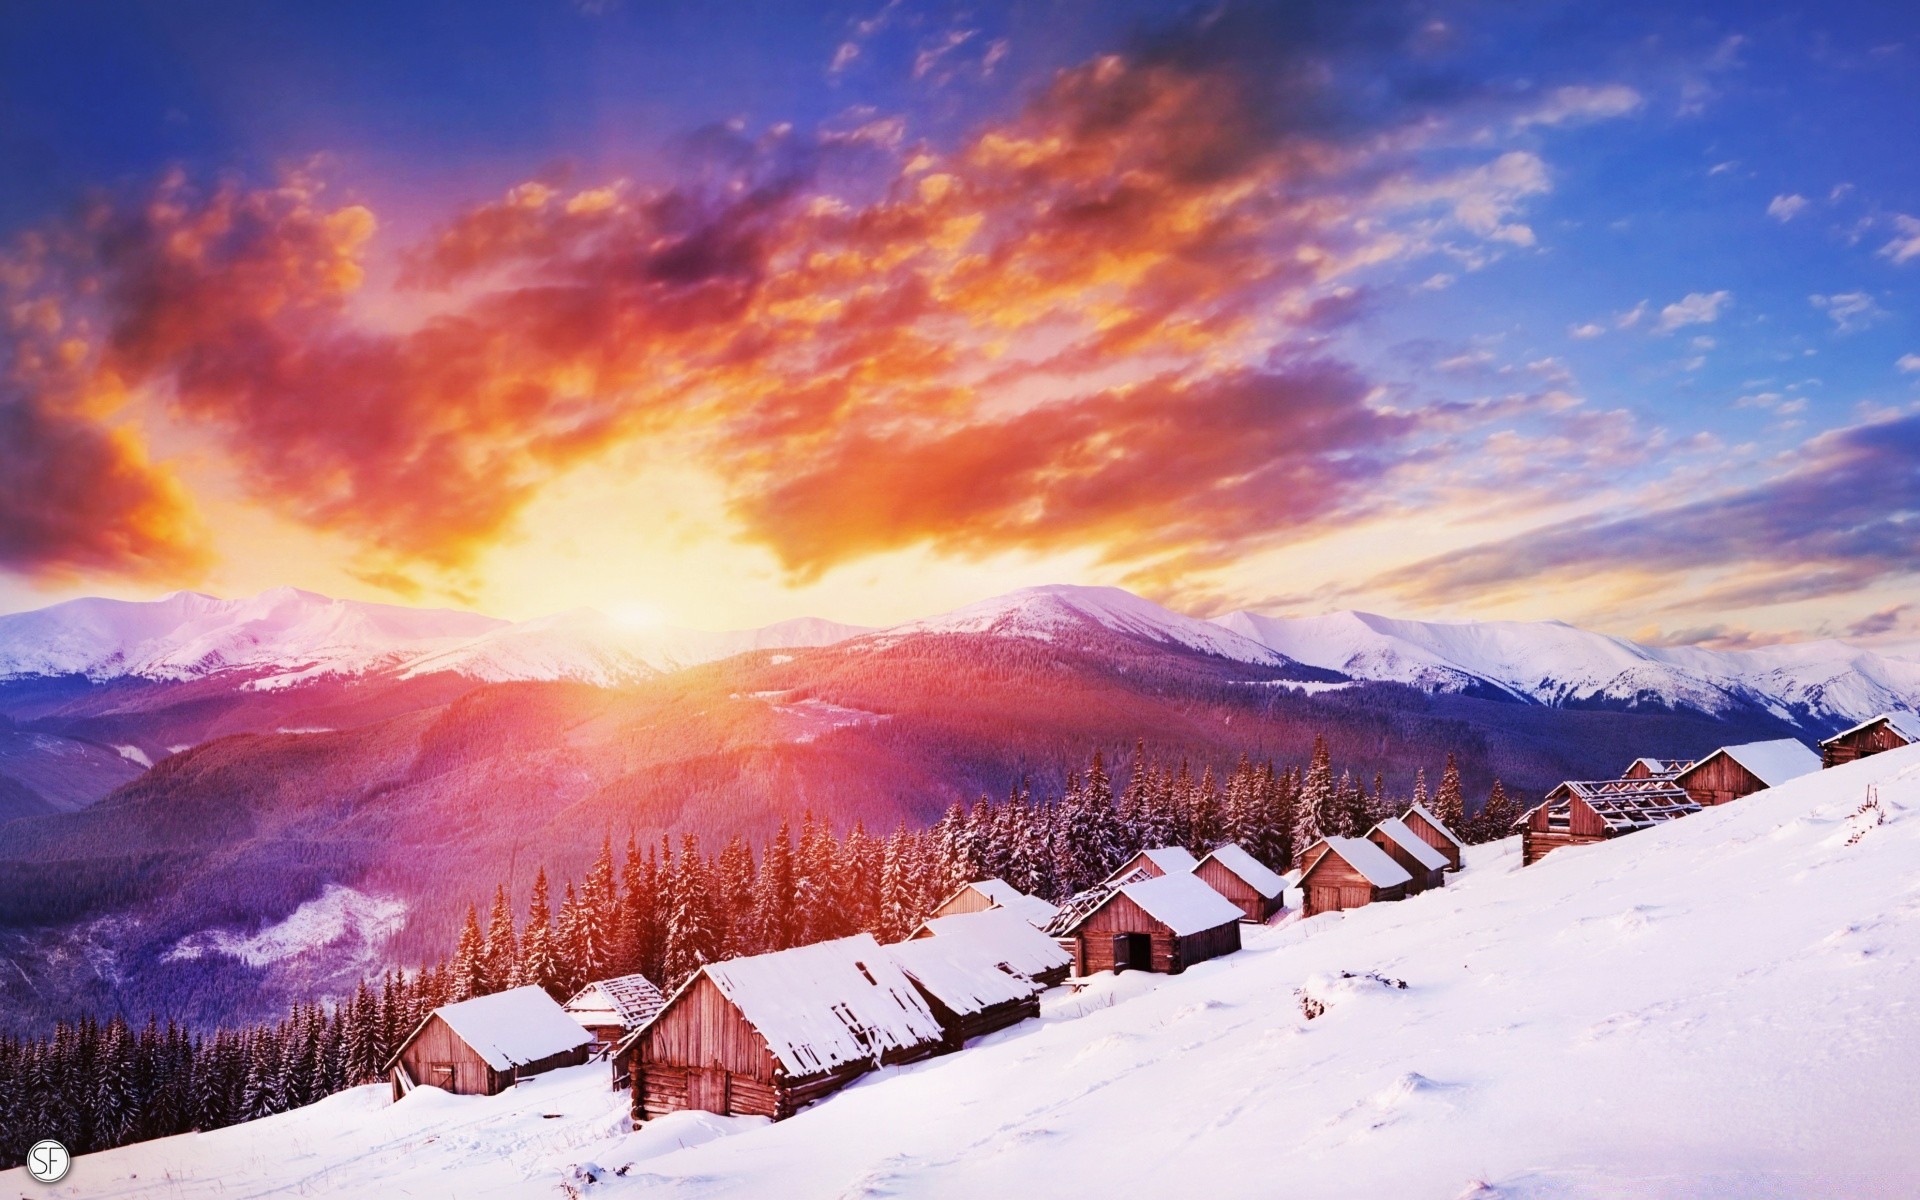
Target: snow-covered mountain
column 1549, row 662
column 1707, row 1008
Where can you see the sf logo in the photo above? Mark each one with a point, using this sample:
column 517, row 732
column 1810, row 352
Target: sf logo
column 48, row 1161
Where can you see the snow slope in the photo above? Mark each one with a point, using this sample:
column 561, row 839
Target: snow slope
column 1719, row 1007
column 1555, row 663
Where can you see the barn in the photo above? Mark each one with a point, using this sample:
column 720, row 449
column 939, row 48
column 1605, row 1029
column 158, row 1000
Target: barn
column 1009, row 939
column 1164, row 924
column 1888, row 731
column 1243, row 879
column 1156, row 861
column 1344, row 872
column 971, row 992
column 983, row 894
column 483, row 1046
column 1429, row 829
column 1656, row 768
column 767, row 1035
column 1580, row 811
column 1427, row 866
column 610, row 1009
column 1735, row 771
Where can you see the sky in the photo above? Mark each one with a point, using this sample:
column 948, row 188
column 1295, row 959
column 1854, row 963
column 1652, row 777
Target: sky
column 719, row 315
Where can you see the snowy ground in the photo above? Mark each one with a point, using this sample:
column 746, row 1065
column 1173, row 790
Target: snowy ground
column 1728, row 1006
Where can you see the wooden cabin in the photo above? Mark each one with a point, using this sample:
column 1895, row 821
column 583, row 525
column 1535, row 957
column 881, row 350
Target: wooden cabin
column 1888, row 731
column 1656, row 768
column 1164, row 924
column 1735, row 771
column 483, row 1046
column 1346, row 872
column 1426, row 866
column 610, row 1009
column 1011, row 941
column 1249, row 883
column 1429, row 829
column 971, row 992
column 983, row 894
column 1581, row 811
column 1155, row 862
column 767, row 1035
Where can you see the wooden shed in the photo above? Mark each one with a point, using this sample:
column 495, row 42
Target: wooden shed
column 1580, row 811
column 971, row 991
column 1245, row 880
column 1735, row 771
column 983, row 894
column 1429, row 829
column 1155, row 862
column 1346, row 872
column 1426, row 866
column 482, row 1046
column 1888, row 731
column 766, row 1035
column 1009, row 939
column 1656, row 768
column 610, row 1009
column 1164, row 924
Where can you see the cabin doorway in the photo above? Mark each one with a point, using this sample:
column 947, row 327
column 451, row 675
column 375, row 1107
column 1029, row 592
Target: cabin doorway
column 707, row 1090
column 1132, row 952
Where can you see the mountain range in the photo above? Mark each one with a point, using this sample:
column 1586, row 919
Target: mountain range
column 218, row 806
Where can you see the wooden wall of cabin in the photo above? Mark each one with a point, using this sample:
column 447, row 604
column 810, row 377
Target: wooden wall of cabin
column 1875, row 740
column 1208, row 943
column 1094, row 939
column 1424, row 877
column 702, row 1028
column 437, row 1057
column 1426, row 832
column 1215, row 875
column 1718, row 781
column 1331, row 884
column 966, row 900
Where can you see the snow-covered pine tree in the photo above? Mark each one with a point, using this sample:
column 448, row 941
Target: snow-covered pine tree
column 1497, row 816
column 1317, row 817
column 1204, row 817
column 539, row 960
column 500, row 956
column 1447, row 802
column 469, row 960
column 1353, row 806
column 857, row 884
column 599, row 916
column 733, row 898
column 636, row 909
column 572, row 944
column 775, row 899
column 1420, row 786
column 690, row 933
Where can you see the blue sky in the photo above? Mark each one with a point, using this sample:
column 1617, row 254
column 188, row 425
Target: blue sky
column 1583, row 265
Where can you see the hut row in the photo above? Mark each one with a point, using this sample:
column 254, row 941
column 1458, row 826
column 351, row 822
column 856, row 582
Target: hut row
column 1653, row 791
column 1400, row 857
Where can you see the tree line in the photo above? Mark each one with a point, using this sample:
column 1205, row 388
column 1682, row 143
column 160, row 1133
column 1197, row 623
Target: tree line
column 664, row 911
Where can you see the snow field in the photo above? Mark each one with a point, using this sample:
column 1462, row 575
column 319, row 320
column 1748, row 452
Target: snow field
column 1724, row 1006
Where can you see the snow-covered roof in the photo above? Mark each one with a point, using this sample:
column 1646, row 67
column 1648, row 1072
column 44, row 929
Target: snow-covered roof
column 1434, row 821
column 628, row 1000
column 1002, row 932
column 1622, row 805
column 1174, row 860
column 1903, row 723
column 1662, row 766
column 1370, row 860
column 1398, row 832
column 1772, row 763
column 1035, row 911
column 1183, row 903
column 1248, row 869
column 828, row 1004
column 1082, row 905
column 962, row 973
column 510, row 1028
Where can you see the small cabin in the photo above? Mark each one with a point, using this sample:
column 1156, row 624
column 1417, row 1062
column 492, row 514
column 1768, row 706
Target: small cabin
column 1431, row 830
column 767, row 1035
column 1581, row 811
column 1656, row 768
column 971, row 991
column 1346, row 872
column 1010, row 941
column 1155, row 862
column 1243, row 879
column 610, row 1009
column 483, row 1046
column 983, row 894
column 1426, row 866
column 1164, row 924
column 1735, row 771
column 1888, row 731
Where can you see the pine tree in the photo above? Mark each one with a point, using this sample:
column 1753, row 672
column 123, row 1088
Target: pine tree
column 1317, row 816
column 1352, row 803
column 572, row 939
column 470, row 960
column 774, row 903
column 734, row 899
column 599, row 917
column 690, row 937
column 1498, row 815
column 539, row 961
column 1420, row 786
column 501, row 955
column 1447, row 803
